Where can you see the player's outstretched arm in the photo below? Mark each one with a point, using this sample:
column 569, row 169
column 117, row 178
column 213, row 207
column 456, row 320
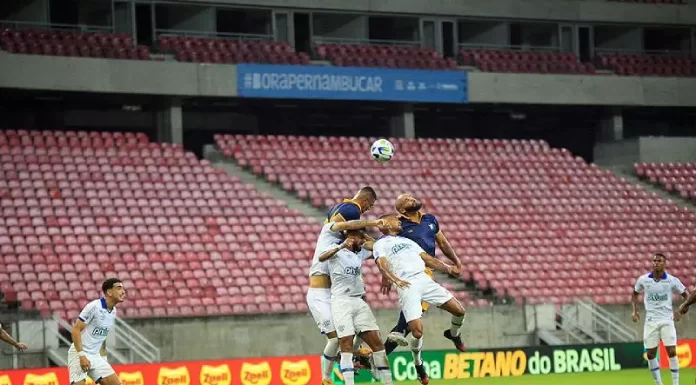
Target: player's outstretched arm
column 355, row 225
column 388, row 275
column 7, row 338
column 438, row 265
column 328, row 254
column 448, row 250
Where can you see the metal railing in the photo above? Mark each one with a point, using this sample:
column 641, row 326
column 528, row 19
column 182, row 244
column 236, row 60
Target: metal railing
column 212, row 34
column 508, row 47
column 340, row 40
column 572, row 320
column 604, row 321
column 627, row 51
column 13, row 24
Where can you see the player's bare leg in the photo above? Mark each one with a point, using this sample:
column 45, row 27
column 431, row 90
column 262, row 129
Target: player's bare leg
column 673, row 363
column 654, row 365
column 454, row 307
column 379, row 356
column 416, row 343
column 328, row 357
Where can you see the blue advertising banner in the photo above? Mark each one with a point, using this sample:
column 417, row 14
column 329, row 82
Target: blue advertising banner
column 350, row 83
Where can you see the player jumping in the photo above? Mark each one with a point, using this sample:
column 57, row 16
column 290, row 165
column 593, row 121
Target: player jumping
column 658, row 287
column 319, row 292
column 351, row 314
column 406, row 260
column 87, row 353
column 424, row 229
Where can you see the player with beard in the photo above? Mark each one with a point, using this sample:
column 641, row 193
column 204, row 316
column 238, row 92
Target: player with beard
column 424, row 229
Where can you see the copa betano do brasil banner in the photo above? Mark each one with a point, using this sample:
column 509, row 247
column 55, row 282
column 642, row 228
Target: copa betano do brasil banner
column 351, row 83
column 512, row 362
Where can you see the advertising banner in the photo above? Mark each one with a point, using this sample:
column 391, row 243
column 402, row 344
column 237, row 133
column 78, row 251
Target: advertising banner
column 686, row 351
column 350, row 83
column 302, row 370
column 512, row 362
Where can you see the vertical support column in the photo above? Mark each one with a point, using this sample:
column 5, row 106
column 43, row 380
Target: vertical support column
column 612, row 126
column 403, row 125
column 170, row 122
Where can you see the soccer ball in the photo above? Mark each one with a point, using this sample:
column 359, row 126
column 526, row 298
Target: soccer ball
column 382, row 150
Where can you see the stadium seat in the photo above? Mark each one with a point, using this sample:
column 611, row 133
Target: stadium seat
column 649, row 65
column 230, row 51
column 387, row 56
column 509, row 207
column 525, row 62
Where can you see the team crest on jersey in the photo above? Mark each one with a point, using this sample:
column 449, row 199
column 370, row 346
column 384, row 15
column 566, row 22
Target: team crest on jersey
column 432, row 226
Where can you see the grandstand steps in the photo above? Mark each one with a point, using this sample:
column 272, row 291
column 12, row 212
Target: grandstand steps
column 628, row 173
column 260, row 183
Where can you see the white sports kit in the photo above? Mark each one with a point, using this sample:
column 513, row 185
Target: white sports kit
column 659, row 317
column 99, row 322
column 350, row 312
column 404, row 260
column 319, row 300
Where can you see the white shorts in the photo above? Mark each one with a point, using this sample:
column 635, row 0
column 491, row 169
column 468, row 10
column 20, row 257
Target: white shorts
column 653, row 332
column 319, row 303
column 422, row 289
column 99, row 368
column 352, row 315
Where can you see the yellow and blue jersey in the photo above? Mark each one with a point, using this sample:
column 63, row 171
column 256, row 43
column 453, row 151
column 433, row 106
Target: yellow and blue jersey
column 349, row 210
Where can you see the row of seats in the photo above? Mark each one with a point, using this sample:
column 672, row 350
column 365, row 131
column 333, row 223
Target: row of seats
column 502, row 244
column 72, row 43
column 653, row 1
column 78, row 207
column 679, row 178
column 231, row 51
column 210, row 50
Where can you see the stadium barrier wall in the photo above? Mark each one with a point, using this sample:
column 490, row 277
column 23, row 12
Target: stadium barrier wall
column 572, row 10
column 305, row 370
column 36, row 72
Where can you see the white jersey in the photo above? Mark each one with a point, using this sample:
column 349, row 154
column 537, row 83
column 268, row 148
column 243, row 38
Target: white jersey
column 658, row 296
column 327, row 239
column 345, row 270
column 403, row 255
column 99, row 323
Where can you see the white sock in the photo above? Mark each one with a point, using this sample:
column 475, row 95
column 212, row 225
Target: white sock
column 416, row 347
column 674, row 368
column 456, row 324
column 654, row 367
column 347, row 368
column 382, row 364
column 327, row 359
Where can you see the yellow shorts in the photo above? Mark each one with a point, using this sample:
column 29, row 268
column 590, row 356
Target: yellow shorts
column 424, row 305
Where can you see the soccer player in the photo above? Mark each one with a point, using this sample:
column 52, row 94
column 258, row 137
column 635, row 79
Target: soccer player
column 351, row 314
column 319, row 292
column 87, row 353
column 406, row 260
column 8, row 339
column 658, row 287
column 424, row 229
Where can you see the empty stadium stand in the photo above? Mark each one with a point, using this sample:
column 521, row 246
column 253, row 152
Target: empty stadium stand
column 525, row 61
column 677, row 178
column 366, row 55
column 652, row 1
column 71, row 43
column 526, row 219
column 187, row 238
column 649, row 65
column 213, row 50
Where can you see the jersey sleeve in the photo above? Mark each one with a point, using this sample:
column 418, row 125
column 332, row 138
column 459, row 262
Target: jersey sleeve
column 437, row 225
column 349, row 212
column 87, row 313
column 638, row 288
column 378, row 249
column 365, row 254
column 678, row 286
